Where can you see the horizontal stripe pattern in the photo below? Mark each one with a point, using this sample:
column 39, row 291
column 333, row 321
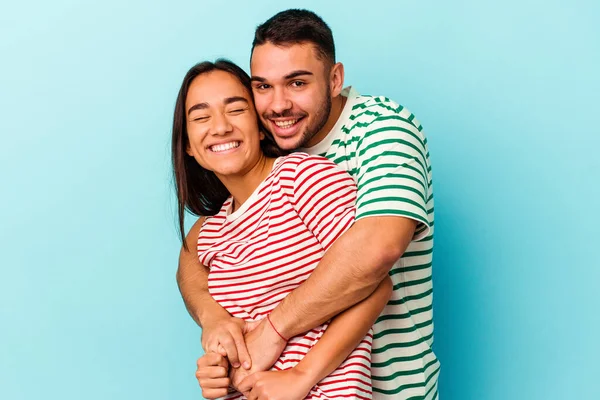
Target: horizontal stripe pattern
column 383, row 146
column 260, row 253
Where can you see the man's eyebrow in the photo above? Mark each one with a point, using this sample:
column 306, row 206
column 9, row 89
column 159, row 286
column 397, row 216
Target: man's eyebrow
column 291, row 75
column 296, row 74
column 199, row 106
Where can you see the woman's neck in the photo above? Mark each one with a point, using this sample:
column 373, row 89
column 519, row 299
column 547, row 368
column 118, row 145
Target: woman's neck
column 243, row 185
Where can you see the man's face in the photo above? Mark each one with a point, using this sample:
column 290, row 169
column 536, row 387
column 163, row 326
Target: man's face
column 292, row 94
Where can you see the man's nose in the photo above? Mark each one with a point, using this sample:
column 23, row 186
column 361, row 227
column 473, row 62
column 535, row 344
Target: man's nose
column 280, row 102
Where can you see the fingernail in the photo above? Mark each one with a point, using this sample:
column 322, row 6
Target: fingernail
column 236, row 365
column 247, row 365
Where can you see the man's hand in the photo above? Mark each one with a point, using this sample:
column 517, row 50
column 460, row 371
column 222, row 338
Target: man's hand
column 265, row 347
column 212, row 375
column 225, row 336
column 290, row 384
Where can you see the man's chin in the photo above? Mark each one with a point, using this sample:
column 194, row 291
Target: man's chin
column 289, row 143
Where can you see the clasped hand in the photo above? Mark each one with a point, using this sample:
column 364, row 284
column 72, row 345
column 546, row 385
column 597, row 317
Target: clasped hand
column 238, row 354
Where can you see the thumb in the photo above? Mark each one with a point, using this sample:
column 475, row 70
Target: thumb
column 250, row 326
column 222, row 362
column 248, row 383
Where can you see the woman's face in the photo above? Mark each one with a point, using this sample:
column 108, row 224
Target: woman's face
column 222, row 124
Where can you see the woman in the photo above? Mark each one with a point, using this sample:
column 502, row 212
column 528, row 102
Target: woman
column 268, row 221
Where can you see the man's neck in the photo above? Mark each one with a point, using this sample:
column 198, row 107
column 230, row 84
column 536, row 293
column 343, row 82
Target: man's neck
column 337, row 107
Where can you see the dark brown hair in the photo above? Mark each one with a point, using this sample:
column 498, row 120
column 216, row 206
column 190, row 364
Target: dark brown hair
column 296, row 26
column 199, row 190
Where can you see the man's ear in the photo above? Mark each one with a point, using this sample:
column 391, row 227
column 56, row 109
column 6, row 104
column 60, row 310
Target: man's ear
column 336, row 79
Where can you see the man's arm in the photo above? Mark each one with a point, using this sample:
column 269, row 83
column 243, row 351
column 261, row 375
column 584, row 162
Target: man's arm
column 221, row 332
column 348, row 273
column 342, row 337
column 393, row 179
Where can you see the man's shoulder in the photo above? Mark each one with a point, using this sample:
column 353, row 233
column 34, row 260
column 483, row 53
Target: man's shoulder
column 370, row 109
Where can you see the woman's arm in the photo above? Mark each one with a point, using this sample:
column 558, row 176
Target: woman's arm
column 342, row 336
column 221, row 332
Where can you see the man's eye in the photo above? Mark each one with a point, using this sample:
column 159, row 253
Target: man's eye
column 262, row 86
column 237, row 111
column 297, row 83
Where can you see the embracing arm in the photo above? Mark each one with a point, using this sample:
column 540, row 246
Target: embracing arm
column 393, row 180
column 343, row 335
column 192, row 278
column 220, row 331
column 349, row 272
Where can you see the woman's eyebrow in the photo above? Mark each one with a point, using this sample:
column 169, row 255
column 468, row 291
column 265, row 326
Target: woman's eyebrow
column 199, row 106
column 233, row 99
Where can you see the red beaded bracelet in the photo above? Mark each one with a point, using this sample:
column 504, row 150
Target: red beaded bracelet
column 275, row 329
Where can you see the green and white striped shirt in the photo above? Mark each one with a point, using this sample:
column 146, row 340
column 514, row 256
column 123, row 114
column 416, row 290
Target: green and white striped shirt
column 383, row 147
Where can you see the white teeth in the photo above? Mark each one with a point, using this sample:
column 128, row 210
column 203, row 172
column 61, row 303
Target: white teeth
column 285, row 124
column 225, row 146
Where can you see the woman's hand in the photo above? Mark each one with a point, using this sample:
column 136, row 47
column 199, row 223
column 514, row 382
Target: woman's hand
column 226, row 337
column 212, row 373
column 290, row 384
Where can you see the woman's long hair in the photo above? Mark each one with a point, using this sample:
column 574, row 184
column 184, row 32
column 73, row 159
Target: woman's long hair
column 198, row 189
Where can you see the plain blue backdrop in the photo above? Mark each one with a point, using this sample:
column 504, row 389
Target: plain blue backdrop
column 508, row 95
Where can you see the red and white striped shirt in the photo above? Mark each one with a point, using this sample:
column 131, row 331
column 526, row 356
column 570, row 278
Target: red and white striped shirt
column 264, row 250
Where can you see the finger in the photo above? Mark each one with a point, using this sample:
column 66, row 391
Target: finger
column 222, row 351
column 230, row 350
column 214, row 393
column 240, row 344
column 210, row 359
column 253, row 395
column 211, row 373
column 248, row 382
column 219, row 383
column 212, row 346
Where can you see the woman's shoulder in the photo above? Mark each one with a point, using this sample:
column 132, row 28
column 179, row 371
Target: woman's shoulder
column 306, row 167
column 299, row 159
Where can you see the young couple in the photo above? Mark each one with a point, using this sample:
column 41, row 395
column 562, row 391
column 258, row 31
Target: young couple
column 309, row 273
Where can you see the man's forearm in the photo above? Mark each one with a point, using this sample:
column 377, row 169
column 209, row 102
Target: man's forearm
column 349, row 272
column 344, row 334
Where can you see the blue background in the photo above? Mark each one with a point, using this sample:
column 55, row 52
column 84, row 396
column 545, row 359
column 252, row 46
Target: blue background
column 507, row 92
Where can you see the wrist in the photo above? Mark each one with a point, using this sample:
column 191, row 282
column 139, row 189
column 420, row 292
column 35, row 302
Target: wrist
column 212, row 316
column 268, row 318
column 279, row 325
column 305, row 376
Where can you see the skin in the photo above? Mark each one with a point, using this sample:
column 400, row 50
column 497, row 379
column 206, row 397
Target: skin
column 300, row 87
column 220, row 112
column 223, row 137
column 292, row 83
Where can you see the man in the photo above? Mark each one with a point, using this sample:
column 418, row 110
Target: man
column 299, row 96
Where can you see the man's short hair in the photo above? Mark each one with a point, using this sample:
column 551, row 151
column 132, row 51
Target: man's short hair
column 295, row 26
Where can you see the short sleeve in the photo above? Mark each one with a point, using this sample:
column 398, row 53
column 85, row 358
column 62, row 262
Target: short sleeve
column 324, row 196
column 393, row 176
